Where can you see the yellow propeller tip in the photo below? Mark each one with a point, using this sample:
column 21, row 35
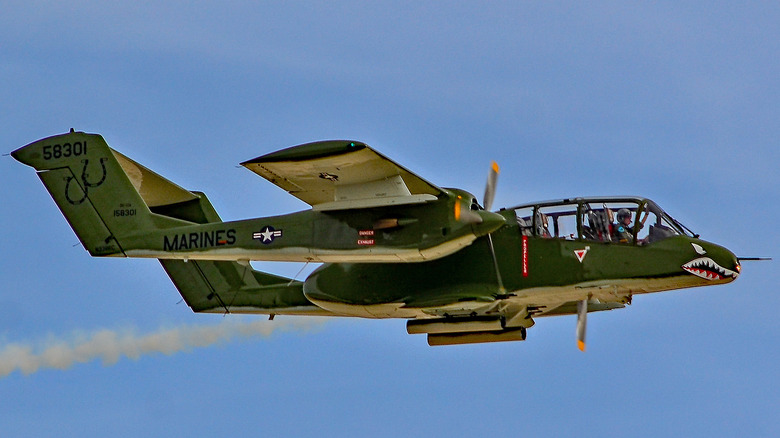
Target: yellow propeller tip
column 581, row 345
column 494, row 165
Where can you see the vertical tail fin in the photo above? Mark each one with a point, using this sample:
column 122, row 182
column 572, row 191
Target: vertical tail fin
column 107, row 197
column 99, row 190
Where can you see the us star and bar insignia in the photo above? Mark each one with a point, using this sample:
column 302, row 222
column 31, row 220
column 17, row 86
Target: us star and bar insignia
column 267, row 235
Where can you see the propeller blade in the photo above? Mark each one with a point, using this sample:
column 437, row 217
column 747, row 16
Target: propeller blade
column 582, row 322
column 490, row 188
column 487, row 200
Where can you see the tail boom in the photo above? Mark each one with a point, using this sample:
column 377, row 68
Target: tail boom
column 118, row 207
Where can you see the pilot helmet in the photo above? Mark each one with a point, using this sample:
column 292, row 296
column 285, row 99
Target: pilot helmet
column 623, row 213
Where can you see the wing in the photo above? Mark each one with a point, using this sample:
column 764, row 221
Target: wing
column 342, row 174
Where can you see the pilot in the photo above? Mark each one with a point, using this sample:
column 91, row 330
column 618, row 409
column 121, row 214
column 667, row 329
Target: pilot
column 542, row 225
column 623, row 229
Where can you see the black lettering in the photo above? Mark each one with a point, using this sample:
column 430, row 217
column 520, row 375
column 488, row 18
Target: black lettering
column 208, row 239
column 127, row 212
column 64, row 150
column 203, row 239
column 106, row 249
column 171, row 246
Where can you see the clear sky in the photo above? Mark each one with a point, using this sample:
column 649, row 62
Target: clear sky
column 676, row 101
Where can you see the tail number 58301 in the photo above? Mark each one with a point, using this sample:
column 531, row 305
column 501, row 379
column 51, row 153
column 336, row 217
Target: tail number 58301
column 64, row 150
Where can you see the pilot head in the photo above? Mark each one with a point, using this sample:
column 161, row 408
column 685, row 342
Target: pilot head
column 624, row 216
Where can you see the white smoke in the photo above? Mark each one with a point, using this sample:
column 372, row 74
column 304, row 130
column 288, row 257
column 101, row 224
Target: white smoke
column 111, row 345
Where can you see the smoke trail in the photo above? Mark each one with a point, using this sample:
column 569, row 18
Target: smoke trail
column 111, row 345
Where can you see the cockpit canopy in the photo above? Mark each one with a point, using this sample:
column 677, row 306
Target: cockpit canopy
column 631, row 221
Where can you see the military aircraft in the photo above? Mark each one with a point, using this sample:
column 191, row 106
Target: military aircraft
column 392, row 244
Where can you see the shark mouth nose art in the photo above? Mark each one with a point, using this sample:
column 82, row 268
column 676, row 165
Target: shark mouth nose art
column 706, row 268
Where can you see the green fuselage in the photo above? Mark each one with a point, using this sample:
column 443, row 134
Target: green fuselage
column 407, row 233
column 534, row 271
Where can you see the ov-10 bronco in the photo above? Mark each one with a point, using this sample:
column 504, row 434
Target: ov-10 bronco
column 393, row 244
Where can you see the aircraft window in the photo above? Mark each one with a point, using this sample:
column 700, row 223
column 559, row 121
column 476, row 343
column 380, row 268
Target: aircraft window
column 559, row 221
column 525, row 220
column 658, row 225
column 639, row 222
column 609, row 221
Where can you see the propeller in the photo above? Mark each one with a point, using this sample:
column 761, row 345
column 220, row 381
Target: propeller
column 464, row 213
column 582, row 322
column 487, row 220
column 490, row 188
column 490, row 194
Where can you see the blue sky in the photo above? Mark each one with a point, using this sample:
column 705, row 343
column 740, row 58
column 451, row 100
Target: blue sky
column 676, row 101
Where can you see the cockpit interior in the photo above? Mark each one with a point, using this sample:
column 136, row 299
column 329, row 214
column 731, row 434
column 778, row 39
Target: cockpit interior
column 626, row 220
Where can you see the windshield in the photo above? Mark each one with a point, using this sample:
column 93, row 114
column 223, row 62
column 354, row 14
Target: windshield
column 627, row 221
column 660, row 225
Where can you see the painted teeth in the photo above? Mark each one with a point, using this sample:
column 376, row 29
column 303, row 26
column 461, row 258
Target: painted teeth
column 706, row 268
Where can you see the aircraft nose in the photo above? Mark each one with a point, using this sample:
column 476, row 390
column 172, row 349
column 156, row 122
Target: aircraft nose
column 713, row 262
column 737, row 266
column 731, row 262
